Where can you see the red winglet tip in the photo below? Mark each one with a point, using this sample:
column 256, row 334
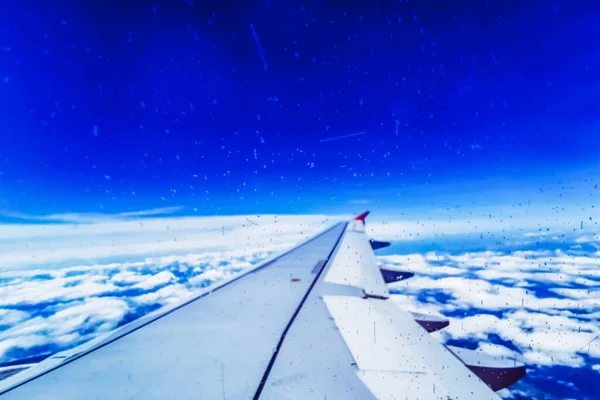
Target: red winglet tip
column 362, row 216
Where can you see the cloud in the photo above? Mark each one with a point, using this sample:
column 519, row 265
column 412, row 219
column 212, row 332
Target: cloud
column 165, row 296
column 359, row 201
column 11, row 317
column 545, row 303
column 105, row 239
column 160, row 279
column 531, row 222
column 103, row 311
column 90, row 217
column 151, row 212
column 48, row 310
column 45, row 290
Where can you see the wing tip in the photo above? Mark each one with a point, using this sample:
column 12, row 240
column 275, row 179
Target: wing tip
column 362, row 216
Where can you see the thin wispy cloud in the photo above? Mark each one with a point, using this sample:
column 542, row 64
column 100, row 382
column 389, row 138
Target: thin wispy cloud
column 359, row 201
column 140, row 234
column 47, row 310
column 91, row 217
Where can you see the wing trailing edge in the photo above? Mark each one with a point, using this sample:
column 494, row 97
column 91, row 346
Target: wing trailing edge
column 431, row 323
column 497, row 372
column 379, row 244
column 393, row 275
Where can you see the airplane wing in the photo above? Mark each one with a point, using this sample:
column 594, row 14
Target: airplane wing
column 316, row 322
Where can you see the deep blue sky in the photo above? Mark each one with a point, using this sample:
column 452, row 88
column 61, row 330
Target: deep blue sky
column 477, row 100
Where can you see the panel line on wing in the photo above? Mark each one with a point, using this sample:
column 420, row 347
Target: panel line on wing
column 318, row 266
column 289, row 325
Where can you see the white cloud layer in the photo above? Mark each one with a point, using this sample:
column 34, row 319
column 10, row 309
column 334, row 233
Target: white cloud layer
column 127, row 235
column 91, row 217
column 532, row 299
column 64, row 284
column 54, row 309
column 533, row 220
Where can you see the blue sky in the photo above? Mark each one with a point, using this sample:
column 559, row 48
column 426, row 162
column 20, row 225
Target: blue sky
column 115, row 107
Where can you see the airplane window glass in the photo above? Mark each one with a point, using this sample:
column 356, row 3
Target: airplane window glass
column 152, row 149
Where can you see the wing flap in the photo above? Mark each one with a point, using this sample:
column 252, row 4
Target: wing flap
column 498, row 372
column 353, row 263
column 385, row 339
column 370, row 334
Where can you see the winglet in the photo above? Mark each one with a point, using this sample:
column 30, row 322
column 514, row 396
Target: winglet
column 362, row 217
